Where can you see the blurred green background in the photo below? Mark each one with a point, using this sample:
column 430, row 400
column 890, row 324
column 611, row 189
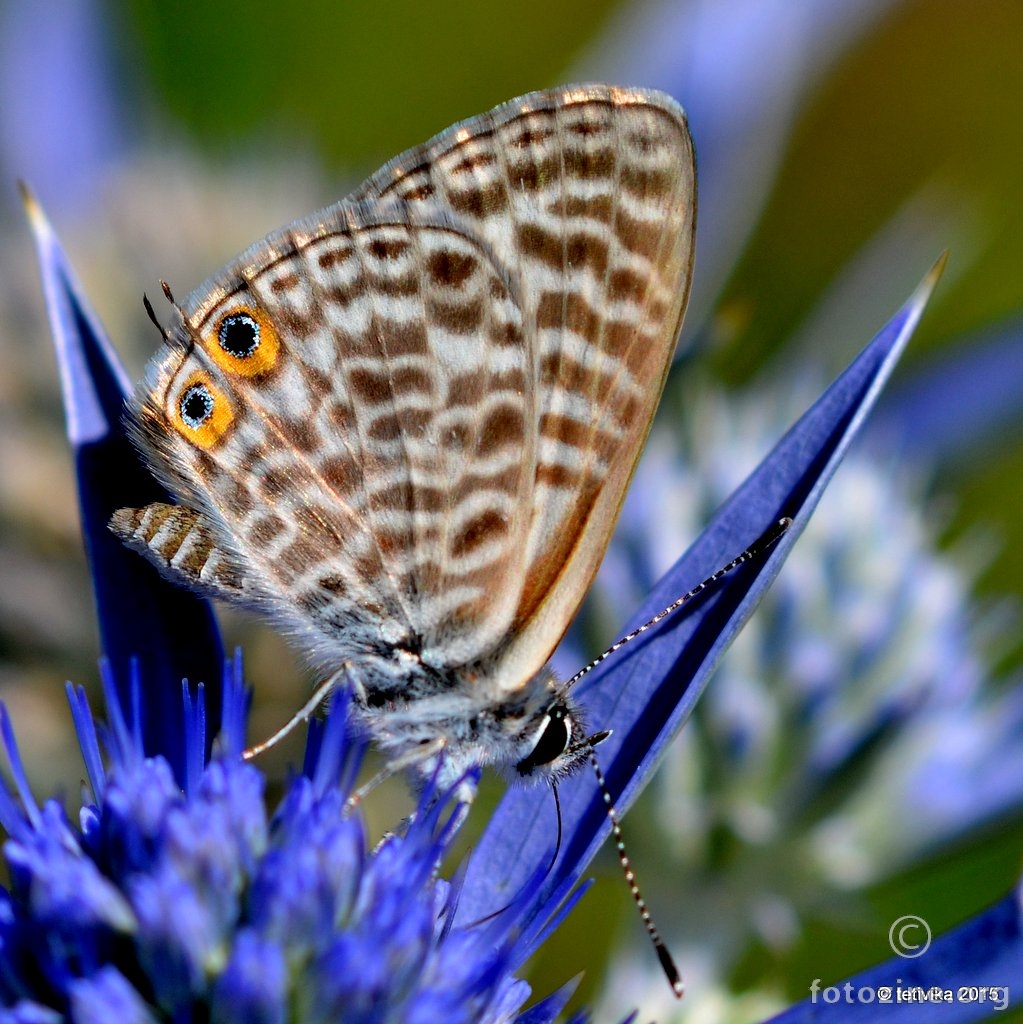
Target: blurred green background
column 223, row 121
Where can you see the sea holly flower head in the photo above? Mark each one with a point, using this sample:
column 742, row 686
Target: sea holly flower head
column 172, row 901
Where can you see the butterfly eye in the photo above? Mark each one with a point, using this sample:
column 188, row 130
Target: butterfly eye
column 244, row 342
column 239, row 335
column 196, row 406
column 550, row 744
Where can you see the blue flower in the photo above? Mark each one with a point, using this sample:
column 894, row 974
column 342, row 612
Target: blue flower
column 169, row 901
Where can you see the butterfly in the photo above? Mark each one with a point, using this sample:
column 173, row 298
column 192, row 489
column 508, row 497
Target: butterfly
column 402, row 428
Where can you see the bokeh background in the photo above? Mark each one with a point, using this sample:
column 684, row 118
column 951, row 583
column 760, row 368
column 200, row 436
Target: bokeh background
column 842, row 146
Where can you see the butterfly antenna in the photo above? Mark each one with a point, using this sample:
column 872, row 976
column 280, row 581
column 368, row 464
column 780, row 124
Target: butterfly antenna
column 755, row 550
column 668, row 965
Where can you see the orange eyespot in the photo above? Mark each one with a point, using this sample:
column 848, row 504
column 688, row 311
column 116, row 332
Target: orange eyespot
column 244, row 342
column 202, row 413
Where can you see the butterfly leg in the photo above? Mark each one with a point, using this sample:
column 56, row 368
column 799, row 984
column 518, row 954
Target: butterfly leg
column 303, row 714
column 410, row 759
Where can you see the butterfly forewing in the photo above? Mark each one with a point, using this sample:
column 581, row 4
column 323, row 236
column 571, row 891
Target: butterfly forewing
column 408, row 422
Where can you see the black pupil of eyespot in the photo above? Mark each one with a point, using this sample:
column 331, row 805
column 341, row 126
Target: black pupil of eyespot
column 551, row 744
column 196, row 406
column 239, row 335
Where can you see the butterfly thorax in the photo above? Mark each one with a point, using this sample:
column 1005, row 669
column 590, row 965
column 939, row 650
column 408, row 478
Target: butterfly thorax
column 533, row 733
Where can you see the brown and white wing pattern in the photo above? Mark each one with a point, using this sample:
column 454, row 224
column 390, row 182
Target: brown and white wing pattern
column 407, row 422
column 588, row 195
column 366, row 463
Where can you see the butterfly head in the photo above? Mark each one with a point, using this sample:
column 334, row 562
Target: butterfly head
column 554, row 743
